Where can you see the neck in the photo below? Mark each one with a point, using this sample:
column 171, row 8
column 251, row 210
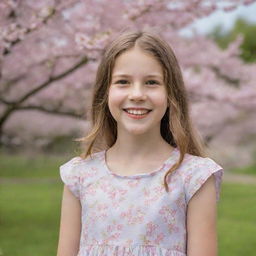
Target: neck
column 133, row 146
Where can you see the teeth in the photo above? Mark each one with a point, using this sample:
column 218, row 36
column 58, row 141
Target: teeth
column 137, row 112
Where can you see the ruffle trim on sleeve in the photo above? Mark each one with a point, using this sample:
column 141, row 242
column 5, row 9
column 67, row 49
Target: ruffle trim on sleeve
column 208, row 168
column 69, row 174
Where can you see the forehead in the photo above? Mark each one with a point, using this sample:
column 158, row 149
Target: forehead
column 136, row 61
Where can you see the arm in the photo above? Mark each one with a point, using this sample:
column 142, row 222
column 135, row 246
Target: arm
column 201, row 221
column 70, row 224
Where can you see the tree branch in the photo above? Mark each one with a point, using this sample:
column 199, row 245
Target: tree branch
column 52, row 111
column 233, row 81
column 82, row 62
column 16, row 105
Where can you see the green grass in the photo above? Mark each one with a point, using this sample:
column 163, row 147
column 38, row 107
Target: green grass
column 245, row 170
column 29, row 219
column 236, row 220
column 42, row 166
column 29, row 213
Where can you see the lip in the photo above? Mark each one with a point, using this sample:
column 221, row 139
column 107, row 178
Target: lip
column 137, row 116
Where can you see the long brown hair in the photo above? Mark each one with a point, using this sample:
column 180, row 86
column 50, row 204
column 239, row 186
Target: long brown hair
column 176, row 127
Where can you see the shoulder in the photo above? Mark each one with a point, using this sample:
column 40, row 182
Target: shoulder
column 196, row 170
column 80, row 166
column 193, row 164
column 77, row 172
column 79, row 161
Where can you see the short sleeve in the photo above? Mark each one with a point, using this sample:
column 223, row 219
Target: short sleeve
column 69, row 173
column 198, row 174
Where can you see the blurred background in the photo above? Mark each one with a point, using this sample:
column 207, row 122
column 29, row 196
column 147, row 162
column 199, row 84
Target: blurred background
column 49, row 53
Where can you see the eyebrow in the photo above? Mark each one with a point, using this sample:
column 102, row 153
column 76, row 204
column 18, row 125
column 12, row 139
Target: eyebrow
column 152, row 75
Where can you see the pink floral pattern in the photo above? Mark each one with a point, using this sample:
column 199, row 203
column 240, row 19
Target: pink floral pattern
column 134, row 215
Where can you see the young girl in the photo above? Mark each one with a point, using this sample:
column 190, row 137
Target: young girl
column 149, row 190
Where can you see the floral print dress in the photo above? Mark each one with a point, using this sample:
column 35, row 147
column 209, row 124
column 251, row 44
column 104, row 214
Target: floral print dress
column 134, row 215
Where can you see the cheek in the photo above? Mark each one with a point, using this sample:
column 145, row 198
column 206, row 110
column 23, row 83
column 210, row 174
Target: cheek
column 159, row 99
column 115, row 97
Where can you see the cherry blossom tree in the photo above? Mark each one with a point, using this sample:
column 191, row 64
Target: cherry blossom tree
column 50, row 51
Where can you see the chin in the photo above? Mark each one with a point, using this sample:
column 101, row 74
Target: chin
column 137, row 131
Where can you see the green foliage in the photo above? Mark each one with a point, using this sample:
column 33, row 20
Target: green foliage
column 248, row 47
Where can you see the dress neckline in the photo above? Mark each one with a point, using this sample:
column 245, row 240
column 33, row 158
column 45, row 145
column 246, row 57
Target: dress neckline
column 163, row 166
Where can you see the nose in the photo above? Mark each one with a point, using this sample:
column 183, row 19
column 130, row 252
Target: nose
column 137, row 92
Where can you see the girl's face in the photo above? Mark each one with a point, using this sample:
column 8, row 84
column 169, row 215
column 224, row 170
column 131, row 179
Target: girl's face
column 137, row 93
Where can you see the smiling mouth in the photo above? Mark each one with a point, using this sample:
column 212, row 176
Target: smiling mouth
column 138, row 112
